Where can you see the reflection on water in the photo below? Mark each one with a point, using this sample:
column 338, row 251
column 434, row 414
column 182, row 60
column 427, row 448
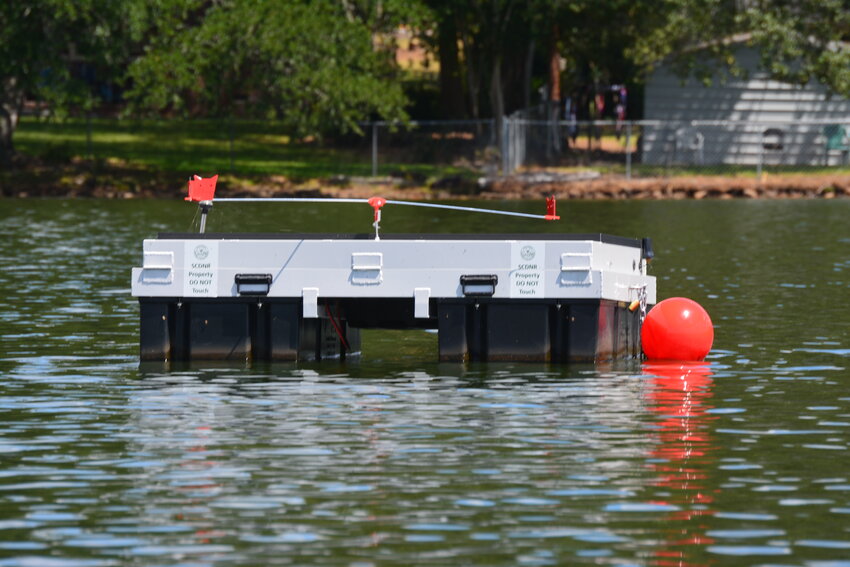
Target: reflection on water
column 680, row 395
column 396, row 459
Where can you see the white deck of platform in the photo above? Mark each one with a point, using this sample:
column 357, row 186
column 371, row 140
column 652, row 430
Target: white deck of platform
column 317, row 268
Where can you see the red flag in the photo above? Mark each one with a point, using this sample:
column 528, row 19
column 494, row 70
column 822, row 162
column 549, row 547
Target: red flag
column 201, row 189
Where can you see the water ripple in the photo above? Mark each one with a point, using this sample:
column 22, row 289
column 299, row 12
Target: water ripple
column 399, row 459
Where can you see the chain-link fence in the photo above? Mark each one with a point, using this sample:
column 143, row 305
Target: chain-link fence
column 419, row 151
column 657, row 148
column 449, row 144
column 414, row 151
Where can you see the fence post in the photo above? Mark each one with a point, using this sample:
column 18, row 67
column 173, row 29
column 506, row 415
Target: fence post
column 374, row 149
column 520, row 136
column 89, row 150
column 506, row 147
column 230, row 140
column 629, row 150
column 513, row 140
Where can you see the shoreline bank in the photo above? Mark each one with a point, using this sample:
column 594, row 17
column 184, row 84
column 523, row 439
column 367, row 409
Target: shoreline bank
column 128, row 183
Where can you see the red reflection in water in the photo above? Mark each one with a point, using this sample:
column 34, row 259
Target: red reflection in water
column 679, row 394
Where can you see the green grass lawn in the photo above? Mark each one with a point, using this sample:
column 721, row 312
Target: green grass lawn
column 207, row 146
column 728, row 170
column 254, row 149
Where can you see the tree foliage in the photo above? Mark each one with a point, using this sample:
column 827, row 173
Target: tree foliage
column 802, row 40
column 690, row 35
column 314, row 65
column 798, row 40
column 39, row 42
column 325, row 65
column 499, row 53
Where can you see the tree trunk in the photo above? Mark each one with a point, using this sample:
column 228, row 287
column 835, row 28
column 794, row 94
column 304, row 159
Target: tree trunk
column 451, row 83
column 8, row 122
column 527, row 74
column 473, row 81
column 11, row 100
column 497, row 97
column 554, row 68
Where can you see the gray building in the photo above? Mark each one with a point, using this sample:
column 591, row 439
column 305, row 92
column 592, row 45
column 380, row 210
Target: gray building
column 742, row 121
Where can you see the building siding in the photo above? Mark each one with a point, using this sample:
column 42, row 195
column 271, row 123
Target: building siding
column 732, row 115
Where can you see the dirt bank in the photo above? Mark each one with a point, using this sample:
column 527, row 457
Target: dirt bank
column 709, row 187
column 111, row 180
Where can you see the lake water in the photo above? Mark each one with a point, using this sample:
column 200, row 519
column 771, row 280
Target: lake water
column 396, row 459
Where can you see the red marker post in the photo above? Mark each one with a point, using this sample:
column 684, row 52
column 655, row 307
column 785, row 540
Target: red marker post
column 376, row 203
column 202, row 191
column 550, row 209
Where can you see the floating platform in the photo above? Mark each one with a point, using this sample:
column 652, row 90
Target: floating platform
column 287, row 297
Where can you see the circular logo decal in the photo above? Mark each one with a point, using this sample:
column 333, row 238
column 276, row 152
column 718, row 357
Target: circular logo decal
column 527, row 253
column 201, row 252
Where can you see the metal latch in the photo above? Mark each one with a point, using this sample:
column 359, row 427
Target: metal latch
column 253, row 284
column 366, row 268
column 576, row 268
column 157, row 267
column 479, row 285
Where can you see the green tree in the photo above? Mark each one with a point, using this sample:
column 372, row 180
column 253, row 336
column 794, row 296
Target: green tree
column 495, row 51
column 316, row 65
column 802, row 40
column 39, row 39
column 798, row 40
column 483, row 48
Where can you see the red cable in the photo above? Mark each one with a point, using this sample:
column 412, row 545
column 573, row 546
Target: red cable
column 336, row 326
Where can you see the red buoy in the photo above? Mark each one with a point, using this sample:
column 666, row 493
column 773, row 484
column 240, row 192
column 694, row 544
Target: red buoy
column 677, row 328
